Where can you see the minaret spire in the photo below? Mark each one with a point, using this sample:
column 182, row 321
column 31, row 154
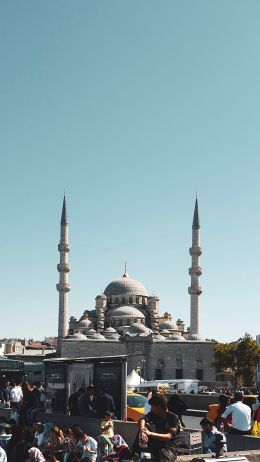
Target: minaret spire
column 63, row 268
column 64, row 216
column 195, row 272
column 125, row 275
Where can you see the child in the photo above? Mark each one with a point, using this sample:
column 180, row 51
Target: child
column 107, row 425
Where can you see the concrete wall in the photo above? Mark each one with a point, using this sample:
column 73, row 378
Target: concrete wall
column 127, row 430
column 200, row 402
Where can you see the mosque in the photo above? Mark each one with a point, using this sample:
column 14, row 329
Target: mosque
column 127, row 320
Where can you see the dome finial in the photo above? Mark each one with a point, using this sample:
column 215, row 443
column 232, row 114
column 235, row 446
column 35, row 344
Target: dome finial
column 125, row 275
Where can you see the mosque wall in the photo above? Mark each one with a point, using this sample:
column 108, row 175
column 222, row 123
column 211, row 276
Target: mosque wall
column 78, row 349
column 153, row 360
column 181, row 360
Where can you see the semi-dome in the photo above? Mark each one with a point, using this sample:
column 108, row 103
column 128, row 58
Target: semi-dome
column 125, row 286
column 168, row 325
column 127, row 311
column 77, row 336
column 138, row 329
column 177, row 338
column 195, row 338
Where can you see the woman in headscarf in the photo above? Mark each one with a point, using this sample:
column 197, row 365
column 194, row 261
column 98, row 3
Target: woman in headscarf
column 35, row 455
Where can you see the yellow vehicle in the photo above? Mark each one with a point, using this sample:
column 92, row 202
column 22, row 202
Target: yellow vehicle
column 135, row 406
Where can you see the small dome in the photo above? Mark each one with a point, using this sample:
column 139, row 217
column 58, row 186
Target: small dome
column 138, row 329
column 177, row 338
column 169, row 325
column 85, row 323
column 77, row 336
column 195, row 338
column 98, row 336
column 128, row 312
column 125, row 285
column 110, row 330
column 157, row 337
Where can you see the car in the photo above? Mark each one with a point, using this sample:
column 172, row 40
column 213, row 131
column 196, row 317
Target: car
column 135, row 406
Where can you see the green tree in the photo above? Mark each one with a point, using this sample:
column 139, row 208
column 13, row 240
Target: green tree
column 239, row 358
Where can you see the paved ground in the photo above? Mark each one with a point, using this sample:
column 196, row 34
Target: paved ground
column 192, row 422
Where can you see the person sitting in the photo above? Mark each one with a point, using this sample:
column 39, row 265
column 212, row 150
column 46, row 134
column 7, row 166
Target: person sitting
column 120, row 450
column 39, row 435
column 241, row 416
column 104, row 440
column 68, row 444
column 158, row 431
column 54, row 444
column 214, row 441
column 35, row 455
column 87, row 447
column 107, row 425
column 219, row 422
column 3, row 456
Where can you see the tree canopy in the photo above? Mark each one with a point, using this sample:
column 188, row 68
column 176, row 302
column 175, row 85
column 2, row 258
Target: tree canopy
column 239, row 358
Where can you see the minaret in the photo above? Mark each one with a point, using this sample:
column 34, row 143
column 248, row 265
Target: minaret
column 63, row 268
column 195, row 272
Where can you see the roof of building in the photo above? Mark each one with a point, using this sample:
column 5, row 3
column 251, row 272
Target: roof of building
column 177, row 338
column 168, row 325
column 77, row 336
column 138, row 329
column 127, row 311
column 125, row 285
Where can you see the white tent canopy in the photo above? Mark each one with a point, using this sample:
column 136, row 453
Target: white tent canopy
column 133, row 379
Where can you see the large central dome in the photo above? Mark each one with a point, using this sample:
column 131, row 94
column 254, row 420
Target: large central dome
column 125, row 286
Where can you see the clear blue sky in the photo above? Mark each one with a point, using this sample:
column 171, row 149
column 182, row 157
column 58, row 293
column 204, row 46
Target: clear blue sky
column 131, row 106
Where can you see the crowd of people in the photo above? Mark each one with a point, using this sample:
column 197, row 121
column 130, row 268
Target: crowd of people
column 89, row 403
column 24, row 439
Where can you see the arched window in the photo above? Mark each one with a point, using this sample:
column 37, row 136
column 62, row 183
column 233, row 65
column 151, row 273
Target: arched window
column 130, row 299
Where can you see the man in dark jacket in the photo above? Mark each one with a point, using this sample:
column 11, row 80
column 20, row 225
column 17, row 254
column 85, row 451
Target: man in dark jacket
column 73, row 401
column 105, row 402
column 87, row 402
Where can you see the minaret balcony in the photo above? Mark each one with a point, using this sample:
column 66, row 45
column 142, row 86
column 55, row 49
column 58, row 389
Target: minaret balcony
column 195, row 271
column 63, row 268
column 63, row 247
column 194, row 250
column 63, row 287
column 195, row 290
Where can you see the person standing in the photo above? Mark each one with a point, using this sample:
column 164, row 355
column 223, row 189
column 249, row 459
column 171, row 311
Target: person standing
column 105, row 402
column 16, row 395
column 241, row 416
column 74, row 400
column 177, row 406
column 87, row 403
